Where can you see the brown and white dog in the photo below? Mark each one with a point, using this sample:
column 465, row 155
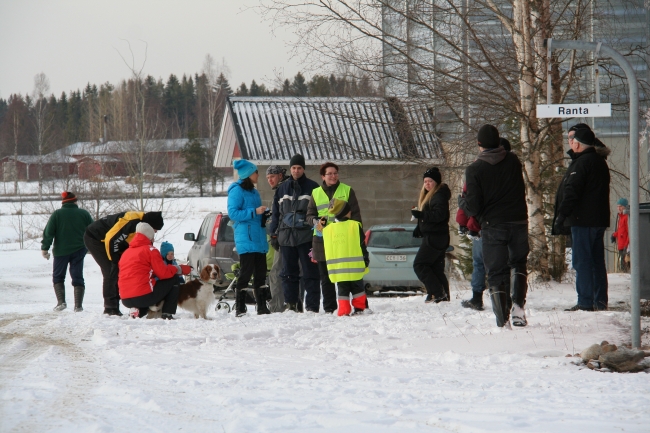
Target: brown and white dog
column 194, row 296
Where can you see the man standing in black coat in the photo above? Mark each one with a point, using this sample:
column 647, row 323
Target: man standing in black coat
column 582, row 209
column 496, row 196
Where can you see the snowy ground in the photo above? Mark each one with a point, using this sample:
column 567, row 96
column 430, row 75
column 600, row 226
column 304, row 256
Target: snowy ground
column 407, row 367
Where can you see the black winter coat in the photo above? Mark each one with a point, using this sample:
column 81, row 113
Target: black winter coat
column 434, row 221
column 495, row 188
column 583, row 195
column 290, row 208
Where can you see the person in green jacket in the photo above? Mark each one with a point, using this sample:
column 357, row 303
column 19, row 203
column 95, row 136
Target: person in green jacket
column 66, row 228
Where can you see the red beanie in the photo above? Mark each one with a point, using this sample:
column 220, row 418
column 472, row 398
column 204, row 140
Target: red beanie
column 68, row 197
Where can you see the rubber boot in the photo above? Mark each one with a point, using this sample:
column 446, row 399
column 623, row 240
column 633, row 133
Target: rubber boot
column 79, row 298
column 499, row 304
column 518, row 290
column 260, row 299
column 240, row 302
column 59, row 291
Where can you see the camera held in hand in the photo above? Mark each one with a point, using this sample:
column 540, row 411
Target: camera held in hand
column 265, row 216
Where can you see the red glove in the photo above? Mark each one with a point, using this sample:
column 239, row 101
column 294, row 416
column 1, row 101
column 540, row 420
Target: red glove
column 185, row 270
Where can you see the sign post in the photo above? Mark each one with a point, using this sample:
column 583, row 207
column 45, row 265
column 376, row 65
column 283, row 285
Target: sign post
column 633, row 85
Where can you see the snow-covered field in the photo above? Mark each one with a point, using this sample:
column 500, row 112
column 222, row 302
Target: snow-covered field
column 407, row 367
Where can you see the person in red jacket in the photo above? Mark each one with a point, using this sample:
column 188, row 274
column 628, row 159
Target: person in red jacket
column 140, row 263
column 621, row 236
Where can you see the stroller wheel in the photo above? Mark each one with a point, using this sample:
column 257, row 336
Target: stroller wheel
column 222, row 305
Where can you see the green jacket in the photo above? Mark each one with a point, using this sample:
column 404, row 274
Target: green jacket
column 66, row 227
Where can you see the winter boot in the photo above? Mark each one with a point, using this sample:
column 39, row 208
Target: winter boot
column 59, row 291
column 476, row 303
column 518, row 290
column 499, row 305
column 266, row 293
column 79, row 298
column 113, row 311
column 240, row 302
column 260, row 299
column 167, row 316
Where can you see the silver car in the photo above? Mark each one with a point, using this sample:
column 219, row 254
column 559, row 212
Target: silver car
column 214, row 244
column 392, row 249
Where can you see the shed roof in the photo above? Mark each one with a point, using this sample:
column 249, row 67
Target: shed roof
column 346, row 130
column 46, row 159
column 116, row 147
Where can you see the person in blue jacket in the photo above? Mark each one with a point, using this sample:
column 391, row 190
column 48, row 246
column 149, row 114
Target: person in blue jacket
column 246, row 210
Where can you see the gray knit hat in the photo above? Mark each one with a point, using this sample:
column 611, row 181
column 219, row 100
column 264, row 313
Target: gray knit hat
column 275, row 169
column 146, row 230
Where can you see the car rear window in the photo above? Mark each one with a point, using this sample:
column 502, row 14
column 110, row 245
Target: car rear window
column 226, row 231
column 393, row 239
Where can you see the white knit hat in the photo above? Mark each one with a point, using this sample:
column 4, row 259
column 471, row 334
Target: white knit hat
column 146, row 230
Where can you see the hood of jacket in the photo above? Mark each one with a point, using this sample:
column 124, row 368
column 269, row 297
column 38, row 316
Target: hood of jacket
column 284, row 177
column 140, row 240
column 602, row 151
column 444, row 190
column 493, row 156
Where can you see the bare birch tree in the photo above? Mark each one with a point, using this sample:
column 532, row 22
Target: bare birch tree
column 43, row 119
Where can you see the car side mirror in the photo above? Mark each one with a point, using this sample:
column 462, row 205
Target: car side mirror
column 189, row 237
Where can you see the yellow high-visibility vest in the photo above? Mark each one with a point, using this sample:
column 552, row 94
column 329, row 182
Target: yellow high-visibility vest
column 323, row 202
column 343, row 254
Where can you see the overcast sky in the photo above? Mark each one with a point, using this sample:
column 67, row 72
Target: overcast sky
column 79, row 41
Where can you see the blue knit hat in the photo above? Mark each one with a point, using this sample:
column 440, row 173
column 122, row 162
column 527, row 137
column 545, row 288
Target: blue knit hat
column 165, row 247
column 622, row 202
column 244, row 168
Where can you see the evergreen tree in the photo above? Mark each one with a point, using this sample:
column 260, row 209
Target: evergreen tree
column 255, row 89
column 74, row 130
column 198, row 169
column 224, row 85
column 286, row 88
column 319, row 86
column 242, row 90
column 299, row 86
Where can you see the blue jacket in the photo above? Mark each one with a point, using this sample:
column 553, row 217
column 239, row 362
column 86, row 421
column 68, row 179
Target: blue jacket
column 250, row 236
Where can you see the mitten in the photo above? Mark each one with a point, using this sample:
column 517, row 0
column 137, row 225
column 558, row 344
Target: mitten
column 46, row 254
column 416, row 213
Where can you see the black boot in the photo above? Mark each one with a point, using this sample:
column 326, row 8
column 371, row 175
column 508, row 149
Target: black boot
column 500, row 305
column 476, row 303
column 260, row 299
column 518, row 290
column 79, row 298
column 240, row 302
column 59, row 291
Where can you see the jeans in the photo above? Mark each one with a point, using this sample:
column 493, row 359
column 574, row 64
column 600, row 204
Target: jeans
column 478, row 274
column 76, row 262
column 589, row 263
column 505, row 246
column 294, row 260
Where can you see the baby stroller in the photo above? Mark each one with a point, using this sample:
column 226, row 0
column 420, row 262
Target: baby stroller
column 233, row 276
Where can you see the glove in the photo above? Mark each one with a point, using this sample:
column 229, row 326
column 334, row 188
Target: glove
column 462, row 231
column 275, row 243
column 46, row 254
column 416, row 213
column 558, row 227
column 613, row 239
column 184, row 269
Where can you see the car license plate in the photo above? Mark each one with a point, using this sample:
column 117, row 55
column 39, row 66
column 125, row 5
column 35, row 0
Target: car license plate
column 400, row 258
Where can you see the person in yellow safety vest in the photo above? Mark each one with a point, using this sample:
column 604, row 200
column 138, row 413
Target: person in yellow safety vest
column 346, row 257
column 317, row 209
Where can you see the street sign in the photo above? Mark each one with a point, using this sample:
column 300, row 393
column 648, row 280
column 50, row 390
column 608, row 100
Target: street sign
column 574, row 110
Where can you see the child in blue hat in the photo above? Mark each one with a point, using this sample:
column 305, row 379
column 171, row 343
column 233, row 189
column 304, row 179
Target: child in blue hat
column 167, row 253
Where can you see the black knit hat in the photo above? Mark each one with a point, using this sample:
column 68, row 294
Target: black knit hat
column 579, row 126
column 433, row 173
column 297, row 159
column 154, row 219
column 505, row 144
column 68, row 197
column 585, row 136
column 488, row 137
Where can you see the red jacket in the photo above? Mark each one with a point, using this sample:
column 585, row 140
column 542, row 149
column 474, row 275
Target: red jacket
column 138, row 266
column 621, row 234
column 471, row 223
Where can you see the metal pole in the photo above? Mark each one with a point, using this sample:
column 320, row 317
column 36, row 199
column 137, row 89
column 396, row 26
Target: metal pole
column 634, row 171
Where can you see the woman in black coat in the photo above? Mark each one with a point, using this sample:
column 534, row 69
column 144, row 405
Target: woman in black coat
column 432, row 214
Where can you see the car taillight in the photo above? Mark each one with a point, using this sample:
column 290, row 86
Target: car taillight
column 367, row 238
column 215, row 231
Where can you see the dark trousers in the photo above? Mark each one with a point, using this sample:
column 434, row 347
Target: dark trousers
column 350, row 294
column 328, row 289
column 76, row 262
column 294, row 259
column 97, row 249
column 252, row 264
column 429, row 266
column 166, row 290
column 588, row 253
column 505, row 246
